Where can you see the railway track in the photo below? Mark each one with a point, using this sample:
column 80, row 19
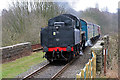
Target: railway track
column 50, row 71
column 34, row 72
column 62, row 70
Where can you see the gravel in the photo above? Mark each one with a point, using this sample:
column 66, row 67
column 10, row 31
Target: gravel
column 77, row 65
column 49, row 72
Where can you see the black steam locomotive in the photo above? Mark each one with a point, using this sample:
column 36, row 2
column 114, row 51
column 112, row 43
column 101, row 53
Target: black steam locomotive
column 61, row 39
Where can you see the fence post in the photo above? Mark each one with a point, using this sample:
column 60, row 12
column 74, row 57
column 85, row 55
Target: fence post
column 78, row 76
column 95, row 65
column 87, row 71
column 105, row 62
column 89, row 68
column 82, row 74
column 106, row 40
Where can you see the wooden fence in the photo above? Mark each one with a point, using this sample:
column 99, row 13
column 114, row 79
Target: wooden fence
column 89, row 71
column 99, row 57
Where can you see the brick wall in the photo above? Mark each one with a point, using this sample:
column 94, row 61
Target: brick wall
column 13, row 52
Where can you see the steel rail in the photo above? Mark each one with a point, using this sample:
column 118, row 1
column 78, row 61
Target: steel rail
column 35, row 71
column 63, row 69
column 47, row 65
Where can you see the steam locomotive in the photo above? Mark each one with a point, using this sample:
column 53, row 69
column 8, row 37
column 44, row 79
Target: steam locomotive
column 65, row 36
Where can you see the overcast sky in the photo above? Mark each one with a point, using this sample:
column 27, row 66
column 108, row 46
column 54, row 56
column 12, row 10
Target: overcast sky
column 112, row 5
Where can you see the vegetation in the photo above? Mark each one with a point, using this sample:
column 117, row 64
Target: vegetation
column 107, row 21
column 12, row 69
column 23, row 21
column 112, row 58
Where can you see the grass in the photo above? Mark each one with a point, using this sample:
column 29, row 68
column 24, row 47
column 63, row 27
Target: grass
column 12, row 69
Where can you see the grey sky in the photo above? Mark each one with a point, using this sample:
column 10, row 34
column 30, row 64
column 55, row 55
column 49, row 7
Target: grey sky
column 112, row 5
